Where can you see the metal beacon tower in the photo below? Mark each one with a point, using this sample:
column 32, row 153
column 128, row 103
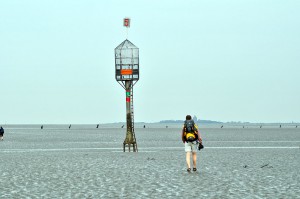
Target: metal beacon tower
column 127, row 74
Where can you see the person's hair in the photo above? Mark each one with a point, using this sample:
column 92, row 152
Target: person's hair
column 188, row 117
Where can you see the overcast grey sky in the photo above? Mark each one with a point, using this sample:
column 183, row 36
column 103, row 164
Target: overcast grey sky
column 224, row 60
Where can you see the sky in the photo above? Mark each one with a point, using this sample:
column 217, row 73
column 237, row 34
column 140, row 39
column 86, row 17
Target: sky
column 222, row 60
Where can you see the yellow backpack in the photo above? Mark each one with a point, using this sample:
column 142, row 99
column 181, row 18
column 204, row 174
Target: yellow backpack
column 189, row 131
column 190, row 136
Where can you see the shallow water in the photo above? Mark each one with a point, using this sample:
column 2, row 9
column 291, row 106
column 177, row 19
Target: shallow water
column 85, row 162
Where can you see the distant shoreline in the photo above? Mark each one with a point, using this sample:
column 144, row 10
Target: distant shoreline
column 207, row 122
column 230, row 123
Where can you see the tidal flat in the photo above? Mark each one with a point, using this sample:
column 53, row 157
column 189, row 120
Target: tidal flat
column 89, row 162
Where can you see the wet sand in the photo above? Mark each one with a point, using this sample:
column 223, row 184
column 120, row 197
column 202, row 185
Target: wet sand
column 85, row 162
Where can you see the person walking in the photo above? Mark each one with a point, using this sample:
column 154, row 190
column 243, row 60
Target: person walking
column 191, row 138
column 1, row 133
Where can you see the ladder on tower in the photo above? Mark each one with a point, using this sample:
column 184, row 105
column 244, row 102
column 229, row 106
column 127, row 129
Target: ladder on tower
column 132, row 118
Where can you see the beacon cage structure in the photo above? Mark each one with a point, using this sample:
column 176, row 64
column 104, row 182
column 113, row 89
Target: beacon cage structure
column 127, row 62
column 127, row 74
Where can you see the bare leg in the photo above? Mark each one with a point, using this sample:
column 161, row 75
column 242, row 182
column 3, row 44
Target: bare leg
column 188, row 159
column 194, row 154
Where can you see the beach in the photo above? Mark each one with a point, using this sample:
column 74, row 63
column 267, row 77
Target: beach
column 89, row 162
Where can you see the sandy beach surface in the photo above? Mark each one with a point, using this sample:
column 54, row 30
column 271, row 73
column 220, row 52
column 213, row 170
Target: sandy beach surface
column 86, row 162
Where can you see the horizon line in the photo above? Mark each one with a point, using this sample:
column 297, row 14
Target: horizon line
column 160, row 122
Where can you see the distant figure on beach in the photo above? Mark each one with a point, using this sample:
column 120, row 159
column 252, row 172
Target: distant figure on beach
column 70, row 126
column 260, row 126
column 280, row 126
column 166, row 127
column 296, row 126
column 42, row 127
column 192, row 140
column 122, row 126
column 144, row 126
column 97, row 126
column 1, row 133
column 221, row 126
column 243, row 127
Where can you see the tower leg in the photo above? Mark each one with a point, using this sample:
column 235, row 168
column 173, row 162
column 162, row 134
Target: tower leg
column 130, row 137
